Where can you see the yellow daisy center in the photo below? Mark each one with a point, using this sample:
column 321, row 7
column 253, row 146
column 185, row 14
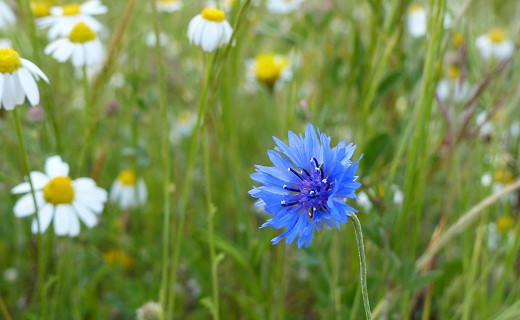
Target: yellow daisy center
column 127, row 177
column 213, row 14
column 269, row 67
column 415, row 8
column 505, row 223
column 168, row 1
column 497, row 36
column 458, row 39
column 59, row 190
column 71, row 9
column 504, row 176
column 453, row 72
column 9, row 60
column 40, row 8
column 82, row 33
column 185, row 117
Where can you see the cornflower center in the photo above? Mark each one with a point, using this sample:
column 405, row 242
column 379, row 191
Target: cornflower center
column 40, row 8
column 269, row 67
column 497, row 36
column 82, row 33
column 312, row 191
column 127, row 177
column 71, row 9
column 453, row 72
column 213, row 14
column 59, row 190
column 415, row 8
column 9, row 60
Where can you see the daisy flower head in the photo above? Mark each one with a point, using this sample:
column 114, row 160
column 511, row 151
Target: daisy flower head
column 41, row 8
column 82, row 46
column 270, row 69
column 283, row 6
column 127, row 191
column 61, row 199
column 416, row 21
column 183, row 126
column 307, row 186
column 495, row 44
column 168, row 6
column 210, row 29
column 7, row 16
column 18, row 80
column 63, row 19
column 451, row 88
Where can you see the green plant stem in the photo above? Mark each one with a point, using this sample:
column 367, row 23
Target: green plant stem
column 210, row 208
column 165, row 156
column 88, row 116
column 41, row 253
column 362, row 265
column 187, row 186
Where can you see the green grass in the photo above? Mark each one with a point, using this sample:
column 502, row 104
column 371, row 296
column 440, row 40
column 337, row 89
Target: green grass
column 196, row 246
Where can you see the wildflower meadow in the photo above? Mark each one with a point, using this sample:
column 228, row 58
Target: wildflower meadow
column 259, row 159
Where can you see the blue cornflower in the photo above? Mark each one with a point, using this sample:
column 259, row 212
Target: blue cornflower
column 307, row 187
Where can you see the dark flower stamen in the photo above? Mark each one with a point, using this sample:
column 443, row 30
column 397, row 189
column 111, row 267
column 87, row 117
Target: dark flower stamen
column 290, row 189
column 296, row 173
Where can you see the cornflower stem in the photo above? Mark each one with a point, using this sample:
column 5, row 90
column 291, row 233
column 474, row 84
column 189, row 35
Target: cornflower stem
column 165, row 155
column 211, row 210
column 187, row 186
column 41, row 253
column 362, row 265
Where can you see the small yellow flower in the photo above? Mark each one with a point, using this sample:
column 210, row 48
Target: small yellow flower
column 118, row 257
column 505, row 223
column 41, row 8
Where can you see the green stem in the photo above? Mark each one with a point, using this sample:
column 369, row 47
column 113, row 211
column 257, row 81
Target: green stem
column 211, row 213
column 362, row 265
column 165, row 155
column 41, row 255
column 88, row 113
column 187, row 186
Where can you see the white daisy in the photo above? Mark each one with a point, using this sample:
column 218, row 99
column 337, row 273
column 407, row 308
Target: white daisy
column 364, row 201
column 7, row 16
column 183, row 126
column 17, row 80
column 416, row 21
column 283, row 6
column 150, row 39
column 64, row 18
column 450, row 88
column 495, row 44
column 487, row 127
column 60, row 199
column 82, row 46
column 168, row 6
column 41, row 8
column 270, row 69
column 210, row 29
column 128, row 191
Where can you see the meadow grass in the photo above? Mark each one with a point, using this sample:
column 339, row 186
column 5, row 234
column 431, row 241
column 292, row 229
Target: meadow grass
column 442, row 200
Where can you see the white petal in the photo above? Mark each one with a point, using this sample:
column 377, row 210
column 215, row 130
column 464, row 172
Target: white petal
column 62, row 219
column 20, row 92
column 34, row 69
column 54, row 167
column 78, row 57
column 29, row 86
column 127, row 198
column 45, row 215
column 83, row 184
column 74, row 227
column 39, row 180
column 85, row 214
column 115, row 191
column 142, row 192
column 9, row 98
column 1, row 88
column 25, row 205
